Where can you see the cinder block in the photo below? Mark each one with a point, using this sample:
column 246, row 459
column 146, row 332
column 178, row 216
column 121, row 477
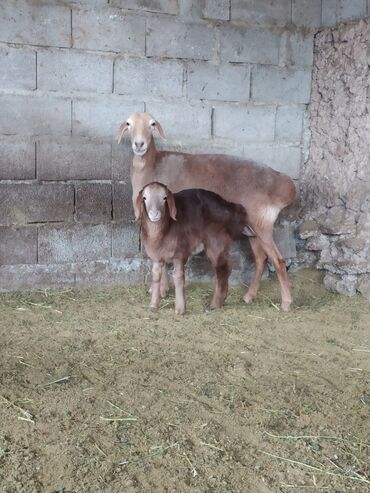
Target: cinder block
column 122, row 202
column 31, row 203
column 281, row 158
column 18, row 68
column 259, row 12
column 239, row 44
column 334, row 11
column 113, row 272
column 126, row 240
column 281, row 85
column 182, row 120
column 108, row 30
column 33, row 115
column 148, row 77
column 73, row 159
column 31, row 277
column 247, row 124
column 306, row 13
column 83, row 3
column 190, row 11
column 17, row 160
column 18, row 246
column 224, row 82
column 216, row 10
column 199, row 269
column 102, row 116
column 296, row 49
column 122, row 157
column 31, row 23
column 160, row 6
column 289, row 123
column 74, row 243
column 94, row 203
column 174, row 39
column 211, row 146
column 73, row 71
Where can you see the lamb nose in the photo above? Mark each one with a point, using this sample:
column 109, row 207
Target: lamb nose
column 139, row 145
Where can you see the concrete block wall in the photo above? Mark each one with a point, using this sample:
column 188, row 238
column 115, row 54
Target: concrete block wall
column 220, row 75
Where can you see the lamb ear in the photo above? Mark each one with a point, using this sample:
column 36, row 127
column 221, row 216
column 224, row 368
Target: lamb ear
column 171, row 205
column 121, row 130
column 139, row 206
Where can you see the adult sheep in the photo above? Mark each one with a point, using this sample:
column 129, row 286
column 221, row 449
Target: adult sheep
column 262, row 191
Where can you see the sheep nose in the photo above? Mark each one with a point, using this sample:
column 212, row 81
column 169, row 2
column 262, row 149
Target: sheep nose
column 154, row 215
column 139, row 145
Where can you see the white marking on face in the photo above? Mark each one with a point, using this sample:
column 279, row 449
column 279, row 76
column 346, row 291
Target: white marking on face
column 154, row 198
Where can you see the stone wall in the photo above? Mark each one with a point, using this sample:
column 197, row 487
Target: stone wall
column 220, row 75
column 336, row 177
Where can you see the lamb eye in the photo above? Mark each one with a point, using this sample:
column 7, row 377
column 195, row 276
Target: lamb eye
column 165, row 199
column 144, row 198
column 128, row 124
column 152, row 124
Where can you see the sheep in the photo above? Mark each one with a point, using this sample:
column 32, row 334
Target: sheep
column 174, row 226
column 262, row 191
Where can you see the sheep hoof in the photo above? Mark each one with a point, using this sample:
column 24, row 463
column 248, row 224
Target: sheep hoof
column 214, row 306
column 180, row 311
column 248, row 298
column 153, row 308
column 285, row 306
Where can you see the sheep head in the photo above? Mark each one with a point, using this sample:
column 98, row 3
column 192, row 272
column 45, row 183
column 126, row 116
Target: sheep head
column 140, row 128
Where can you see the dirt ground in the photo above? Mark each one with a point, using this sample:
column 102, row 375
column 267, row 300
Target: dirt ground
column 98, row 394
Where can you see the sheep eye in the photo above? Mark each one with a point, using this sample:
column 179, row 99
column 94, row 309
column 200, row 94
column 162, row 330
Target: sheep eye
column 152, row 124
column 144, row 198
column 165, row 198
column 128, row 124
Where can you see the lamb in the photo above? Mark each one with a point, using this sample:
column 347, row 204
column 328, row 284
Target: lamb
column 173, row 227
column 262, row 191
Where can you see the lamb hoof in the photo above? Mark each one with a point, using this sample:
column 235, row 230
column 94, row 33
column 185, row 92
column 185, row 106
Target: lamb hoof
column 154, row 308
column 248, row 298
column 180, row 310
column 285, row 306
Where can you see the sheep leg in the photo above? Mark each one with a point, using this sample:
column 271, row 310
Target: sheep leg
column 221, row 265
column 223, row 271
column 164, row 286
column 280, row 267
column 179, row 281
column 273, row 253
column 260, row 262
column 155, row 288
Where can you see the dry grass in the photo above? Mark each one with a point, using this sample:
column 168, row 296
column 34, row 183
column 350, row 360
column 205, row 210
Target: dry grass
column 100, row 394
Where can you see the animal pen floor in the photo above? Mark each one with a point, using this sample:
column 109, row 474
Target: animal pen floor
column 98, row 394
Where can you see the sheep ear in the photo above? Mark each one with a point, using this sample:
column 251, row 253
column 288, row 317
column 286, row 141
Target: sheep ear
column 159, row 129
column 139, row 206
column 121, row 130
column 171, row 205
